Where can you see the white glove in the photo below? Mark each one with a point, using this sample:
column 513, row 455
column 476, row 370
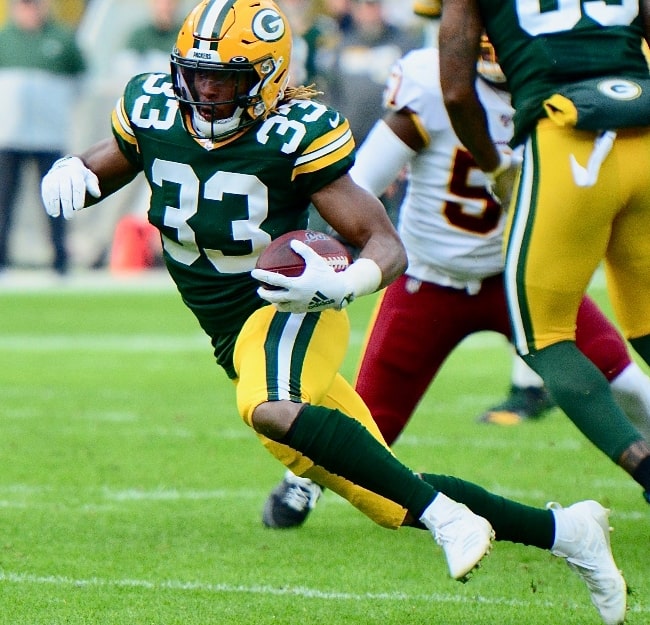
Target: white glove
column 64, row 187
column 501, row 181
column 319, row 286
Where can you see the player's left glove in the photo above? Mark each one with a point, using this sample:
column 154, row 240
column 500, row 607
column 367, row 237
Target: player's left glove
column 64, row 187
column 319, row 287
column 501, row 181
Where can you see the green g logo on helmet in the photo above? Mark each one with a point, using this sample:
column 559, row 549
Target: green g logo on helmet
column 268, row 25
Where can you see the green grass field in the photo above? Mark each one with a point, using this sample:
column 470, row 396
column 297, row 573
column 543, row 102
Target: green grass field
column 131, row 492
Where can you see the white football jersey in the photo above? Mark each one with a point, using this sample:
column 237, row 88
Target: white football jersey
column 451, row 227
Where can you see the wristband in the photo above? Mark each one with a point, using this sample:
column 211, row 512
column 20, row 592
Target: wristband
column 363, row 277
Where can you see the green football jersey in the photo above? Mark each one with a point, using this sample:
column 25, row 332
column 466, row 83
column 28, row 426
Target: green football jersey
column 544, row 45
column 217, row 206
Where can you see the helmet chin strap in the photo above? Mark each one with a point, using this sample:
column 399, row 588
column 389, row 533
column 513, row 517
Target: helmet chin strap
column 218, row 127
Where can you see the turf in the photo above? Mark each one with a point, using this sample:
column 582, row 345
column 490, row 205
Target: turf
column 131, row 492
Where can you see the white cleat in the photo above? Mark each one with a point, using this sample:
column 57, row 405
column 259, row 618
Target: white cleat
column 464, row 536
column 582, row 538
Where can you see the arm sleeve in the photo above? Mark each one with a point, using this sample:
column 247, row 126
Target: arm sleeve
column 380, row 159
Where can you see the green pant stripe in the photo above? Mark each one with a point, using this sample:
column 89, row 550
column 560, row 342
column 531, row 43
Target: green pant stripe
column 276, row 328
column 285, row 349
column 299, row 353
column 517, row 249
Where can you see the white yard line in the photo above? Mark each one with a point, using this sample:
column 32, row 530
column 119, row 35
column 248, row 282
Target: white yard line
column 289, row 591
column 312, row 593
column 38, row 497
column 106, row 342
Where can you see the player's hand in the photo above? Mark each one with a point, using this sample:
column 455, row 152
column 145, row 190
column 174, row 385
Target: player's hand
column 64, row 187
column 318, row 287
column 501, row 181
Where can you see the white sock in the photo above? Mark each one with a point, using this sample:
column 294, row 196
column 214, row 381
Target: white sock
column 631, row 389
column 438, row 511
column 522, row 375
column 566, row 532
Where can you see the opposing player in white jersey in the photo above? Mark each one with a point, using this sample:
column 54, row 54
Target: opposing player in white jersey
column 452, row 229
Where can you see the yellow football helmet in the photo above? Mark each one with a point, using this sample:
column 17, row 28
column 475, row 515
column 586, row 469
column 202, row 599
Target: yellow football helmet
column 488, row 65
column 245, row 43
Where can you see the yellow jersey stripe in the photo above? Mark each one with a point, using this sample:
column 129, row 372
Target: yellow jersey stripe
column 324, row 152
column 324, row 161
column 329, row 137
column 121, row 124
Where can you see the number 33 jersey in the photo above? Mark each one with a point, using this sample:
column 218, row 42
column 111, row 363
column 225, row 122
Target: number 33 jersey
column 217, row 206
column 451, row 227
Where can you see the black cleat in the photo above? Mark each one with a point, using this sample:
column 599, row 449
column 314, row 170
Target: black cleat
column 290, row 502
column 521, row 404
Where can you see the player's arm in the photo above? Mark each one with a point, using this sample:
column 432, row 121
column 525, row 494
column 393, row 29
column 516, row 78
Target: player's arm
column 405, row 125
column 390, row 145
column 459, row 37
column 108, row 163
column 360, row 218
column 75, row 182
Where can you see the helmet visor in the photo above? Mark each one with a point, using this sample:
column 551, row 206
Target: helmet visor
column 215, row 96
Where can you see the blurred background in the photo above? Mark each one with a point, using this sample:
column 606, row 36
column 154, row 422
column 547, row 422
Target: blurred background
column 339, row 44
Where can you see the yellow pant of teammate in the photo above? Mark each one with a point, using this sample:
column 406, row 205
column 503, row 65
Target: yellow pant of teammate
column 560, row 232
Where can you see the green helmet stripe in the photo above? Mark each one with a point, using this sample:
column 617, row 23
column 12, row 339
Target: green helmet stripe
column 211, row 22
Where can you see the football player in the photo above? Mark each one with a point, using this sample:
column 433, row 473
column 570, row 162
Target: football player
column 581, row 94
column 453, row 232
column 234, row 158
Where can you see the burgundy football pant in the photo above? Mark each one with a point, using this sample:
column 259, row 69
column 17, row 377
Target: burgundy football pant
column 417, row 328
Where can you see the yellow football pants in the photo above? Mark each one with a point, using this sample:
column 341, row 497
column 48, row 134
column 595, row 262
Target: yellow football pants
column 559, row 233
column 298, row 357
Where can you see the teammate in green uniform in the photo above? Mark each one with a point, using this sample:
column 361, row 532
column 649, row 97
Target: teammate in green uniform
column 581, row 91
column 233, row 158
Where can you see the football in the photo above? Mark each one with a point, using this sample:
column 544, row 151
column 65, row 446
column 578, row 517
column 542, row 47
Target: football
column 280, row 258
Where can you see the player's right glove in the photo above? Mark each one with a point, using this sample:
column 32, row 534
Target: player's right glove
column 64, row 187
column 501, row 181
column 319, row 286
